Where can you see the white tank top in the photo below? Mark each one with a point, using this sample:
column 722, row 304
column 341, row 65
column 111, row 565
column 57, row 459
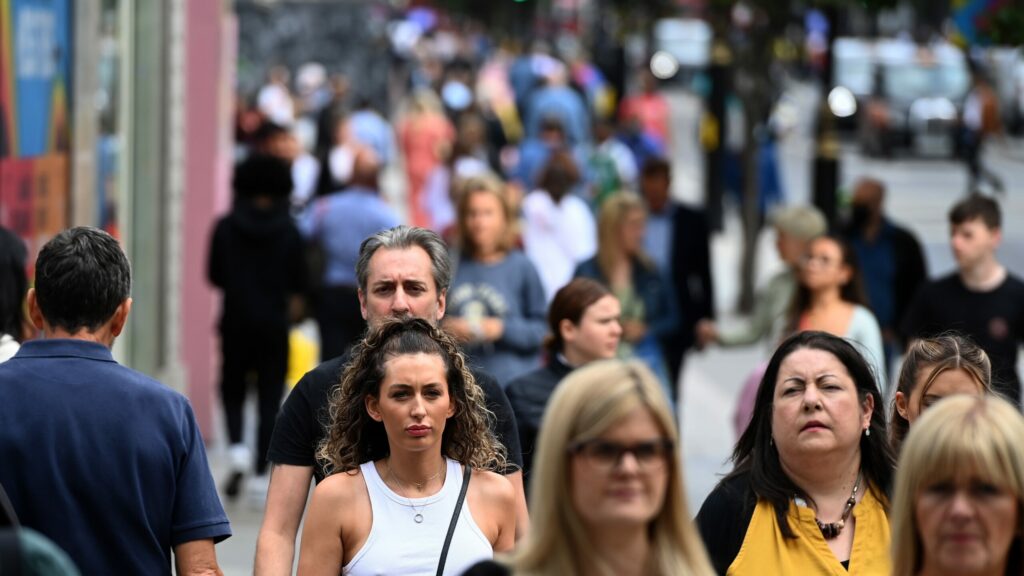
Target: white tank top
column 398, row 546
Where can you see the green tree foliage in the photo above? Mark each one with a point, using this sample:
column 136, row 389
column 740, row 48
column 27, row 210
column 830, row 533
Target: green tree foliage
column 1002, row 24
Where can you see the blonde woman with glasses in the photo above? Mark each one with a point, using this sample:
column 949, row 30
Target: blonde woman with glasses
column 607, row 489
column 957, row 507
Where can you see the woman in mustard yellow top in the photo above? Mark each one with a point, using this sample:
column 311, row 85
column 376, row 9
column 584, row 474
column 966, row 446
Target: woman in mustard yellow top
column 808, row 493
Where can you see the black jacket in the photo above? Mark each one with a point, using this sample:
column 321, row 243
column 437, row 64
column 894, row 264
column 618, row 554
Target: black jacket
column 528, row 395
column 911, row 271
column 257, row 258
column 690, row 275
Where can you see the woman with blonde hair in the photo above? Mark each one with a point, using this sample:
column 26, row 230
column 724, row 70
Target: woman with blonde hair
column 496, row 303
column 408, row 430
column 649, row 312
column 958, row 506
column 934, row 368
column 607, row 488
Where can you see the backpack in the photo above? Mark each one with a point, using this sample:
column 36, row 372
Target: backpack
column 25, row 552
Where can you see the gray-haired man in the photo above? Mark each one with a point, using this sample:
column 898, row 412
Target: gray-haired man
column 403, row 271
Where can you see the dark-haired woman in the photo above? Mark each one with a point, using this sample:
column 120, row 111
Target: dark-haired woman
column 830, row 297
column 809, row 490
column 408, row 439
column 13, row 286
column 584, row 324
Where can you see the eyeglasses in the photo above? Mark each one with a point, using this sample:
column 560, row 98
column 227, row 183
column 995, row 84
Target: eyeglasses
column 606, row 456
column 817, row 259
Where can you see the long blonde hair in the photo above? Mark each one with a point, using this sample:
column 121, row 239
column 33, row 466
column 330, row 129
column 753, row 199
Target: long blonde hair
column 979, row 433
column 586, row 404
column 613, row 213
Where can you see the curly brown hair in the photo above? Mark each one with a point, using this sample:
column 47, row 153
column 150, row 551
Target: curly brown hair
column 353, row 437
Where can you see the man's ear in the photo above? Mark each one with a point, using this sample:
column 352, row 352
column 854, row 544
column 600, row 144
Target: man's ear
column 362, row 302
column 35, row 314
column 442, row 304
column 120, row 317
column 373, row 407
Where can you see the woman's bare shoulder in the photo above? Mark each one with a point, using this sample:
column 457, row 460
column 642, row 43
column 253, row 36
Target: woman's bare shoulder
column 493, row 486
column 341, row 487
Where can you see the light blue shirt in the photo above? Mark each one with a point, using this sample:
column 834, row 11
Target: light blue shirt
column 658, row 239
column 340, row 222
column 374, row 131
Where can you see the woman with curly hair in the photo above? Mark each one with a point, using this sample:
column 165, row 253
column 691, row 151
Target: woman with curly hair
column 408, row 430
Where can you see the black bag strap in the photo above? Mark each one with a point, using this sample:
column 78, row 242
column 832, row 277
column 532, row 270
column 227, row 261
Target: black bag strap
column 10, row 540
column 466, row 470
column 10, row 552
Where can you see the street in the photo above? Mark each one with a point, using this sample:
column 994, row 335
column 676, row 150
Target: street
column 920, row 193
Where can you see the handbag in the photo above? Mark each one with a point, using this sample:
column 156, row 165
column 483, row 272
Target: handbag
column 466, row 470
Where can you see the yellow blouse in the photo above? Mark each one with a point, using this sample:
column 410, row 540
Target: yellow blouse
column 766, row 551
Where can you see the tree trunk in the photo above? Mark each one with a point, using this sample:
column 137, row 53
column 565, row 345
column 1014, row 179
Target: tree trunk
column 750, row 211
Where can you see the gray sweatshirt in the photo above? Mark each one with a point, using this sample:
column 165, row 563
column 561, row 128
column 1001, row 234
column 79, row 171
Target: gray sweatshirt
column 510, row 290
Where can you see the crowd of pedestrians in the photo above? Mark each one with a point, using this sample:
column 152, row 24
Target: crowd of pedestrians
column 501, row 358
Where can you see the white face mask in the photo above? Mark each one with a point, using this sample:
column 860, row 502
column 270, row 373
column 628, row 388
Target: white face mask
column 341, row 162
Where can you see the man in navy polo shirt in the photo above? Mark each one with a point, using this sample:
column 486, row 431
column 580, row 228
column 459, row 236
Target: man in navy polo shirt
column 103, row 460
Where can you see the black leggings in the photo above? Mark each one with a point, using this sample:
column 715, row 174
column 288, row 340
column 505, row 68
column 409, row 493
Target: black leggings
column 260, row 357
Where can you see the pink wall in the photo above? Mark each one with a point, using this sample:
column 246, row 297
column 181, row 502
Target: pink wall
column 209, row 38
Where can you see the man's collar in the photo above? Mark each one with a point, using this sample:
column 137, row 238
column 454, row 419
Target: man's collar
column 74, row 347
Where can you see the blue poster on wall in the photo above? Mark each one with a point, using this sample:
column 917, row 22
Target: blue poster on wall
column 40, row 47
column 35, row 79
column 965, row 16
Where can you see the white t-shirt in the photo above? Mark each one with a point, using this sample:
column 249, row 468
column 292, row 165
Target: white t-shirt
column 8, row 347
column 557, row 237
column 276, row 103
column 399, row 545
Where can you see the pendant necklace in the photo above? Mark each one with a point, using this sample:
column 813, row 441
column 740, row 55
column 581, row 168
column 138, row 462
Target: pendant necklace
column 832, row 529
column 417, row 514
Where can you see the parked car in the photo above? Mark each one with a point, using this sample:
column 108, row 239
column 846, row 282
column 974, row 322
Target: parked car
column 909, row 97
column 680, row 47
